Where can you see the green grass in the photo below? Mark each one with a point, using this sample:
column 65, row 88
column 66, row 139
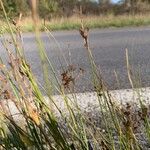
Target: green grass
column 74, row 22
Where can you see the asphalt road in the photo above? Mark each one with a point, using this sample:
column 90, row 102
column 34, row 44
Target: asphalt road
column 108, row 47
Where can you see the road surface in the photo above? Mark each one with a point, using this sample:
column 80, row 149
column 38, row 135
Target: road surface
column 108, row 47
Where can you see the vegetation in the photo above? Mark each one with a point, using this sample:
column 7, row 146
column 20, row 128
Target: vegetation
column 66, row 14
column 40, row 127
column 74, row 22
column 49, row 9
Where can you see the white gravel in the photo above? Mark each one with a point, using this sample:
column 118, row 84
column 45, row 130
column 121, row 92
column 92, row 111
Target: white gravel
column 120, row 96
column 88, row 99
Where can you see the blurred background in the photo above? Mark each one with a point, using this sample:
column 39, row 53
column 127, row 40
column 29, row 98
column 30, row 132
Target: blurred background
column 66, row 8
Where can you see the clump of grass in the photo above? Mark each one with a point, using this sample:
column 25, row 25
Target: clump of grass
column 39, row 127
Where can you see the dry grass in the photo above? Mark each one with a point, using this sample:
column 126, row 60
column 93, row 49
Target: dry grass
column 42, row 129
column 74, row 22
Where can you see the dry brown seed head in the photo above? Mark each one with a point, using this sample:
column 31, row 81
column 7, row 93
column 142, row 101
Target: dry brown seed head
column 67, row 79
column 33, row 114
column 84, row 34
column 6, row 94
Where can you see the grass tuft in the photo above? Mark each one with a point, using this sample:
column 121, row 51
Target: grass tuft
column 41, row 124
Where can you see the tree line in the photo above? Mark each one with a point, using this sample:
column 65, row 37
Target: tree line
column 51, row 8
